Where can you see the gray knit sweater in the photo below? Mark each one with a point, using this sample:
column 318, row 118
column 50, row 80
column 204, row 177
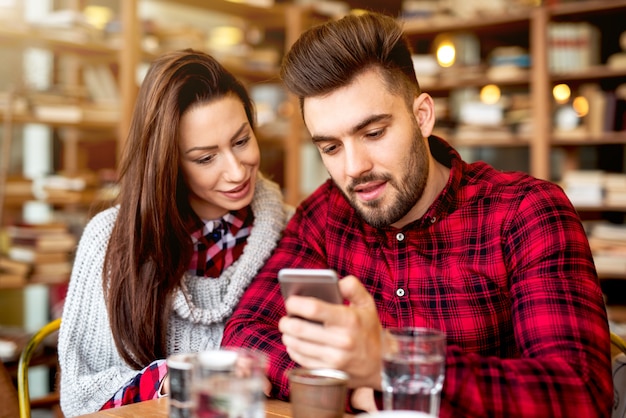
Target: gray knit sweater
column 92, row 371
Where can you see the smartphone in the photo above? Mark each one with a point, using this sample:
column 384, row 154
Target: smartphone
column 318, row 283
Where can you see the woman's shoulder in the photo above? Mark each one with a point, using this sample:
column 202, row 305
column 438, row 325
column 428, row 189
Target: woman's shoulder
column 101, row 223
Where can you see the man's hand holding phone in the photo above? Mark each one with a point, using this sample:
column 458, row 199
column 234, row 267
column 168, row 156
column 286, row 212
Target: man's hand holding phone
column 349, row 338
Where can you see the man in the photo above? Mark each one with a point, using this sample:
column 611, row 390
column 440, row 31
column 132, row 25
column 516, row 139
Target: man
column 499, row 261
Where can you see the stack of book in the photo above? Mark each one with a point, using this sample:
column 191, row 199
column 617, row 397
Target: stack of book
column 13, row 273
column 584, row 187
column 615, row 189
column 608, row 245
column 46, row 248
column 572, row 46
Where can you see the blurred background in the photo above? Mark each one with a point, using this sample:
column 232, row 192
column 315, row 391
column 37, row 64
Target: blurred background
column 529, row 85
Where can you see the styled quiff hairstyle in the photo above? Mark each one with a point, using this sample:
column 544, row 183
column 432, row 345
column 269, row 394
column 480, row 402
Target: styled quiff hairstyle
column 331, row 55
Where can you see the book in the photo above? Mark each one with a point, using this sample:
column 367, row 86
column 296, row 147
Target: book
column 608, row 231
column 10, row 280
column 8, row 265
column 101, row 84
column 30, row 230
column 62, row 113
column 47, row 243
column 32, row 256
column 49, row 278
column 572, row 46
column 61, row 268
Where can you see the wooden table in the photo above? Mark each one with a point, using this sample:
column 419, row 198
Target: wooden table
column 158, row 408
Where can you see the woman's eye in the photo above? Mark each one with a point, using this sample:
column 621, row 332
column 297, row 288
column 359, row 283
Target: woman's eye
column 205, row 160
column 242, row 141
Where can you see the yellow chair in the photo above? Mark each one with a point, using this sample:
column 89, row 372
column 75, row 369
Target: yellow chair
column 618, row 342
column 22, row 371
column 618, row 356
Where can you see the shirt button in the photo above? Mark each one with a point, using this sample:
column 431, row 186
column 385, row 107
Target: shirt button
column 433, row 219
column 400, row 236
column 400, row 292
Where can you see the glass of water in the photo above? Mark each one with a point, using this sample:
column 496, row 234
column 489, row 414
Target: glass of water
column 413, row 369
column 228, row 383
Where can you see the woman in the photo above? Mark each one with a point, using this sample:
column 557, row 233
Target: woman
column 160, row 272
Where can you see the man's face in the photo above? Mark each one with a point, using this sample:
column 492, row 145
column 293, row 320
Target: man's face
column 372, row 147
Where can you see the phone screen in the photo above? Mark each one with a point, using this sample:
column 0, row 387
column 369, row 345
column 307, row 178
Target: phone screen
column 318, row 283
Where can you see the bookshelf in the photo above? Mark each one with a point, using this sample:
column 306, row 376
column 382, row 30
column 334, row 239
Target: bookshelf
column 544, row 151
column 529, row 29
column 67, row 109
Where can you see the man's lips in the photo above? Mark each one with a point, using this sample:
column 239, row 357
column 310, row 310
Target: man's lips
column 371, row 190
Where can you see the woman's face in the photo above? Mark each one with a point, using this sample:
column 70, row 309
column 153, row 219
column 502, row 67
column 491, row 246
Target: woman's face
column 219, row 157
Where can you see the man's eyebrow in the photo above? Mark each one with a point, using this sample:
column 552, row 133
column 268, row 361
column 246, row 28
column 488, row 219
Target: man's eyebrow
column 212, row 147
column 356, row 128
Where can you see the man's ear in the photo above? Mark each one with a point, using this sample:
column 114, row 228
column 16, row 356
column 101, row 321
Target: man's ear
column 424, row 112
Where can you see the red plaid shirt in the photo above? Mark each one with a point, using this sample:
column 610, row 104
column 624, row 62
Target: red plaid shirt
column 217, row 245
column 500, row 262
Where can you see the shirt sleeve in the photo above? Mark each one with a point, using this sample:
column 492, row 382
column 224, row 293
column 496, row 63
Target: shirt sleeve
column 144, row 386
column 559, row 323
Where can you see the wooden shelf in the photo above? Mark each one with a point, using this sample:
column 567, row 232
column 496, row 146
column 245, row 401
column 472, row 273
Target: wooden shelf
column 267, row 17
column 34, row 38
column 589, row 140
column 594, row 73
column 477, row 79
column 484, row 24
column 601, row 208
column 83, row 125
column 490, row 142
column 585, row 8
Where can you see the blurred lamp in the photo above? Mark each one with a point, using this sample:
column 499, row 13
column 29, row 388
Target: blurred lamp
column 490, row 94
column 561, row 93
column 446, row 53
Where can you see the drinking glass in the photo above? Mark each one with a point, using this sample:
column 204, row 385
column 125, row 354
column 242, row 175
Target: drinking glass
column 228, row 383
column 180, row 369
column 413, row 369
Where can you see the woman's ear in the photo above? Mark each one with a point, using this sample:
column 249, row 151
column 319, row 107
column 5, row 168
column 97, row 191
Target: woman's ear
column 424, row 112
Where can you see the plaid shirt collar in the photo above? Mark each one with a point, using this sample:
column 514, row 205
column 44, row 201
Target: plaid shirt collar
column 219, row 242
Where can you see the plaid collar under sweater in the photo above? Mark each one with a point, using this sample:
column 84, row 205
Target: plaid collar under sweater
column 218, row 243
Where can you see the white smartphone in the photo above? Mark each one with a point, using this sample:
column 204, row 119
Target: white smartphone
column 318, row 283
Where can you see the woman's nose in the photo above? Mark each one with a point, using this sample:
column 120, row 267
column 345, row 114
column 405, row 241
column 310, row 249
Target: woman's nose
column 235, row 170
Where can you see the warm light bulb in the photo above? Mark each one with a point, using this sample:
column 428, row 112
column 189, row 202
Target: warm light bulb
column 226, row 36
column 581, row 106
column 561, row 93
column 446, row 54
column 490, row 94
column 98, row 16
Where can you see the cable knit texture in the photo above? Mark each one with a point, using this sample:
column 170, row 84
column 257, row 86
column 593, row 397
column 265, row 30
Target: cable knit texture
column 92, row 371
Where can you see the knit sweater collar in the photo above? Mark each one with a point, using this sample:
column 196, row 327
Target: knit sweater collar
column 270, row 220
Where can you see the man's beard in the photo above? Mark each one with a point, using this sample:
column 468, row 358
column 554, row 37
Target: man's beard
column 410, row 188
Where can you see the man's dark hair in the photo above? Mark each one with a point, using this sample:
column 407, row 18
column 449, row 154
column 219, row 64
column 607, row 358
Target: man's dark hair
column 329, row 56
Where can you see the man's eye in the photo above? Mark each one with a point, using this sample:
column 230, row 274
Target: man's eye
column 375, row 134
column 329, row 149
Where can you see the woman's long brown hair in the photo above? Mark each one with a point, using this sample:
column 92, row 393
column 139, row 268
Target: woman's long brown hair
column 150, row 247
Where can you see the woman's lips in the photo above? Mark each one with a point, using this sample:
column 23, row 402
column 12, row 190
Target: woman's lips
column 238, row 192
